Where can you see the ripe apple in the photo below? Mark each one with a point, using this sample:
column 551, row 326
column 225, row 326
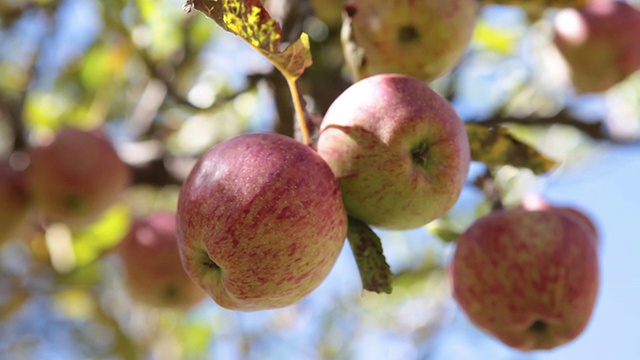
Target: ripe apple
column 75, row 176
column 154, row 272
column 536, row 202
column 423, row 38
column 260, row 222
column 398, row 149
column 599, row 43
column 329, row 11
column 529, row 277
column 14, row 200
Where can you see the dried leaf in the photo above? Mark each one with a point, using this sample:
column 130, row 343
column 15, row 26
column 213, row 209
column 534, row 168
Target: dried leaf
column 251, row 21
column 495, row 146
column 367, row 249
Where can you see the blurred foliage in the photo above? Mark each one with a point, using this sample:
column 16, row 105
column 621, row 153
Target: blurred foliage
column 495, row 146
column 168, row 85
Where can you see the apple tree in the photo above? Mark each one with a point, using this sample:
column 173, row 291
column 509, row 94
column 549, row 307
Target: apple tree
column 302, row 178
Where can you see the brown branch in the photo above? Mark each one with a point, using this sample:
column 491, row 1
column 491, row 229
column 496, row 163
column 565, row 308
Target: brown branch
column 595, row 130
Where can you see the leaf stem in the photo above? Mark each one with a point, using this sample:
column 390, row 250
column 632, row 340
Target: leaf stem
column 297, row 104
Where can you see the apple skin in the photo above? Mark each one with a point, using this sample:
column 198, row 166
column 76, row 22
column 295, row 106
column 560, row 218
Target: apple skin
column 599, row 43
column 420, row 38
column 76, row 176
column 15, row 201
column 537, row 202
column 260, row 222
column 154, row 272
column 398, row 149
column 329, row 11
column 529, row 277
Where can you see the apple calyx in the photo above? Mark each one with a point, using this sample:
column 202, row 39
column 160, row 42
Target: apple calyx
column 539, row 327
column 420, row 155
column 408, row 34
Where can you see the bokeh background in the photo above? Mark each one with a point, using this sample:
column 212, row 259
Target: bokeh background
column 168, row 85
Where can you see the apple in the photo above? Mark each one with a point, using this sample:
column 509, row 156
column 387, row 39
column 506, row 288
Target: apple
column 76, row 176
column 398, row 149
column 599, row 43
column 329, row 11
column 423, row 38
column 154, row 272
column 260, row 222
column 536, row 202
column 14, row 200
column 528, row 275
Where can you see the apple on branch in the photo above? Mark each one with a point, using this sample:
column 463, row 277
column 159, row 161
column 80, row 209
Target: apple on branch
column 423, row 38
column 528, row 275
column 398, row 149
column 154, row 272
column 260, row 222
column 599, row 43
column 76, row 175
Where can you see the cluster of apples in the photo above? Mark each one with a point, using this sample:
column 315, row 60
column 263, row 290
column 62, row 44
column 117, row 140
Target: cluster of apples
column 599, row 43
column 73, row 177
column 262, row 218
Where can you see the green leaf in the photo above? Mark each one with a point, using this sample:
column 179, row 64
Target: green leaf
column 195, row 338
column 92, row 242
column 495, row 39
column 367, row 249
column 443, row 230
column 495, row 146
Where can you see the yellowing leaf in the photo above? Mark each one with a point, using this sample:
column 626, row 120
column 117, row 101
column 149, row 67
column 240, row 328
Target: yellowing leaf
column 251, row 21
column 495, row 146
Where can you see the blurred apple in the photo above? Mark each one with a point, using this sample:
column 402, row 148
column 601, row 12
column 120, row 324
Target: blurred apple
column 600, row 43
column 329, row 11
column 76, row 176
column 14, row 200
column 154, row 272
column 423, row 38
column 260, row 222
column 398, row 149
column 536, row 202
column 529, row 275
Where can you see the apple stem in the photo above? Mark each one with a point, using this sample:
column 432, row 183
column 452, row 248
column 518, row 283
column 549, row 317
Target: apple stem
column 297, row 104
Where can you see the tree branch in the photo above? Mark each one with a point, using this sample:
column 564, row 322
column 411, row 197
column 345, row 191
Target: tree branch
column 595, row 130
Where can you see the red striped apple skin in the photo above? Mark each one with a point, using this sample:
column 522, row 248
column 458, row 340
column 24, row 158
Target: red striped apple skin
column 260, row 222
column 528, row 277
column 154, row 272
column 399, row 150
